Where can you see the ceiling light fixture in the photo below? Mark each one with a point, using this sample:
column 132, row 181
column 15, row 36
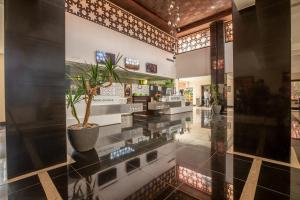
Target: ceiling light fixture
column 174, row 19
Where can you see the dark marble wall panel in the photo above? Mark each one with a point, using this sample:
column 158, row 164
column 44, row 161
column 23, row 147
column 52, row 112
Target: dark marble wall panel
column 262, row 69
column 217, row 52
column 34, row 73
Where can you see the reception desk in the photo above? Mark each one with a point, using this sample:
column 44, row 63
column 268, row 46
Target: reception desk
column 176, row 105
column 105, row 110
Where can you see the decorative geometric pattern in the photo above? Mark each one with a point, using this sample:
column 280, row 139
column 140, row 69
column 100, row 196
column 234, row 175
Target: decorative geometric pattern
column 197, row 40
column 202, row 39
column 152, row 189
column 195, row 179
column 116, row 89
column 228, row 31
column 111, row 16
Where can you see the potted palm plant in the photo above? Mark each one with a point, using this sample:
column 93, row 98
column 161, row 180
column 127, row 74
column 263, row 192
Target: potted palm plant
column 216, row 99
column 83, row 135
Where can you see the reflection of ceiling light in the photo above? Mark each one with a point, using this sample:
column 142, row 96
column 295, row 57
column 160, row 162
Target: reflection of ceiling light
column 213, row 7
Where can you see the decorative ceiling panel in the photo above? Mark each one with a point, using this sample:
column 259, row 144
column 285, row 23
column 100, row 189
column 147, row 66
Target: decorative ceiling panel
column 190, row 10
column 111, row 16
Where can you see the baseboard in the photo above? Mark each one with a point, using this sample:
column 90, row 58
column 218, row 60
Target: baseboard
column 2, row 123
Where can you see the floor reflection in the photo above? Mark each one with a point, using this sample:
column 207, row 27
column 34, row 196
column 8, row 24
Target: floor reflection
column 183, row 156
column 179, row 156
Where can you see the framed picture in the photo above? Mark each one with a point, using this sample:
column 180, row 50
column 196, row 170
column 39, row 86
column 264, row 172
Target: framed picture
column 151, row 68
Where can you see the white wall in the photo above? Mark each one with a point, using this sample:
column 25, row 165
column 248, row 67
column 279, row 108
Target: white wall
column 83, row 38
column 197, row 62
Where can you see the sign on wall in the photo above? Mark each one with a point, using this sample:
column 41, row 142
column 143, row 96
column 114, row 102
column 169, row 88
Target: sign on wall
column 132, row 64
column 151, row 68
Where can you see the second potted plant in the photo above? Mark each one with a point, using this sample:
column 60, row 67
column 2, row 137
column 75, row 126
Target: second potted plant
column 83, row 135
column 216, row 100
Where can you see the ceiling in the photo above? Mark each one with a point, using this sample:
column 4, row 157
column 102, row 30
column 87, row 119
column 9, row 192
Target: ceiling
column 192, row 12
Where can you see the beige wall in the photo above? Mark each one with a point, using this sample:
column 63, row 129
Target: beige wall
column 197, row 63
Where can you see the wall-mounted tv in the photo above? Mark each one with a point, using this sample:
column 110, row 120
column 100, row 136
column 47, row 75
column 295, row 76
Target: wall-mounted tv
column 101, row 56
column 151, row 68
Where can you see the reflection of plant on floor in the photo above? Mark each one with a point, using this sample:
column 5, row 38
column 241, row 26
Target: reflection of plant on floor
column 78, row 189
column 215, row 95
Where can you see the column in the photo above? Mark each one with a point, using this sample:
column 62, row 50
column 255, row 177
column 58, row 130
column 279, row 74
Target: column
column 34, row 84
column 262, row 70
column 217, row 56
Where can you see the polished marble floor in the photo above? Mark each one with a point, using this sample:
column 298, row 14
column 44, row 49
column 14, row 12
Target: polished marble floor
column 183, row 156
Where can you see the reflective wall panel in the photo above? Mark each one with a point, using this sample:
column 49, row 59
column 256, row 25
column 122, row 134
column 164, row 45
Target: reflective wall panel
column 262, row 70
column 34, row 79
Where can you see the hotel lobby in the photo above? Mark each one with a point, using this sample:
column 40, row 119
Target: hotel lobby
column 149, row 99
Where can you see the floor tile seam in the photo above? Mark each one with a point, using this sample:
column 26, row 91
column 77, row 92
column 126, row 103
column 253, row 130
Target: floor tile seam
column 272, row 190
column 173, row 191
column 249, row 189
column 263, row 159
column 224, row 174
column 206, row 161
column 34, row 173
column 151, row 175
column 85, row 166
column 23, row 188
column 118, row 160
column 277, row 168
column 48, row 186
column 191, row 147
